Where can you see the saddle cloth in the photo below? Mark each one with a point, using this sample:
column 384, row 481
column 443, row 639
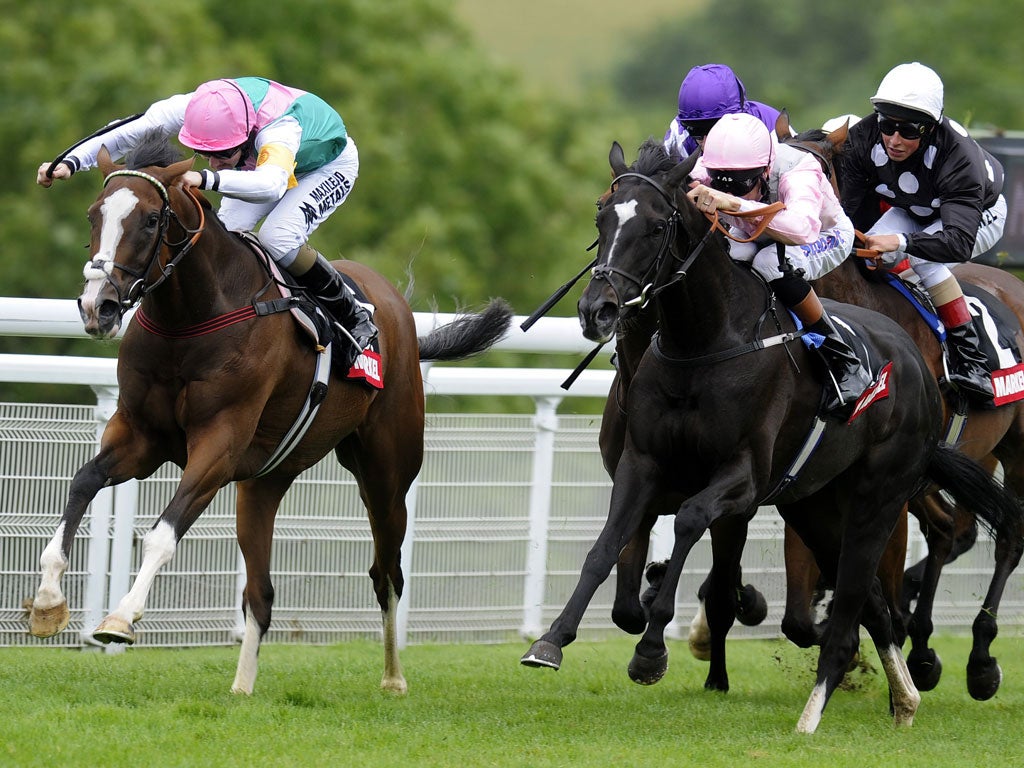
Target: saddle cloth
column 315, row 323
column 997, row 328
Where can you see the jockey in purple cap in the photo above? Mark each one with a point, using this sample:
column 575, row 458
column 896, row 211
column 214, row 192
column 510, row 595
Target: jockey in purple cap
column 277, row 154
column 706, row 93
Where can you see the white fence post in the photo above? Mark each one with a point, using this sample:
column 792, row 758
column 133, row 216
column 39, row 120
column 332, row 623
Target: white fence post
column 546, row 422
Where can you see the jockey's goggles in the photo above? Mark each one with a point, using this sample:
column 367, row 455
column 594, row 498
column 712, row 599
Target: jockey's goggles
column 224, row 154
column 735, row 182
column 698, row 129
column 909, row 130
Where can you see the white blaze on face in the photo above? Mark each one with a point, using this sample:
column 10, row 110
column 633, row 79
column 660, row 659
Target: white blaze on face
column 115, row 210
column 625, row 212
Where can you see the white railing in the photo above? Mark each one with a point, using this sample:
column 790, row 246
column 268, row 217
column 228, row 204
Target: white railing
column 506, row 504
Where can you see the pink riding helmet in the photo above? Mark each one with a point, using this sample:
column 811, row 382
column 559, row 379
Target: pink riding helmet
column 219, row 116
column 739, row 141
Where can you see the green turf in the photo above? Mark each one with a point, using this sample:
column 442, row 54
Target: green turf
column 474, row 705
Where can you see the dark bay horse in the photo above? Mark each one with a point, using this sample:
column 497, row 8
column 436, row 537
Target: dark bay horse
column 219, row 404
column 712, row 431
column 988, row 435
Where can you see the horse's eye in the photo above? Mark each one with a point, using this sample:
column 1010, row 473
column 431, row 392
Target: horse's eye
column 152, row 220
column 658, row 228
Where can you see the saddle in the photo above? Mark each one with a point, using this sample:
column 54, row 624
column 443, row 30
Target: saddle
column 313, row 319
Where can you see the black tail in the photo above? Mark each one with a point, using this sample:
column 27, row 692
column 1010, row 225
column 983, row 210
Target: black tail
column 468, row 334
column 995, row 507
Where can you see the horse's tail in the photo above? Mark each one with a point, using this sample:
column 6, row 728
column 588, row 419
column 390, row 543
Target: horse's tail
column 999, row 510
column 468, row 334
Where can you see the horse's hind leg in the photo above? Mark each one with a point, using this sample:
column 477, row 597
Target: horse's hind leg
column 904, row 697
column 256, row 507
column 385, row 469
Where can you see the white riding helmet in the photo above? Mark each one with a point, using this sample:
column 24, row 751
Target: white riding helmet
column 911, row 86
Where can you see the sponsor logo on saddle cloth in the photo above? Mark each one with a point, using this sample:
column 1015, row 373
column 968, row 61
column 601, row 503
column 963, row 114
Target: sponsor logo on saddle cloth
column 997, row 328
column 367, row 367
column 879, row 388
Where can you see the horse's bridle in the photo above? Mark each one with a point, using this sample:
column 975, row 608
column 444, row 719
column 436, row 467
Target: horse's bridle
column 139, row 289
column 645, row 283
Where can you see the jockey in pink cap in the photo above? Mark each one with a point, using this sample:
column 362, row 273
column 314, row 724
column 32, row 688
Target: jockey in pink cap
column 747, row 169
column 276, row 154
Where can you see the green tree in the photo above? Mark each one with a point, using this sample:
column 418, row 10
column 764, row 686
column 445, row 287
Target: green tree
column 474, row 187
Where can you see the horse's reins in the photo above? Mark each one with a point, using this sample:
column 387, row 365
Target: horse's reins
column 139, row 288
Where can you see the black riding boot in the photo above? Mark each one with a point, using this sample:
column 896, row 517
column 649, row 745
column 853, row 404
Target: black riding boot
column 849, row 378
column 355, row 327
column 968, row 366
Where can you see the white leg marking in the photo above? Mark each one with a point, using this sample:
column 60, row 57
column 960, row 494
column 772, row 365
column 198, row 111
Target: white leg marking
column 393, row 679
column 248, row 658
column 53, row 565
column 812, row 712
column 158, row 548
column 905, row 696
column 700, row 635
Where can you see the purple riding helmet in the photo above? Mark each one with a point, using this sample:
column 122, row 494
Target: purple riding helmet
column 707, row 93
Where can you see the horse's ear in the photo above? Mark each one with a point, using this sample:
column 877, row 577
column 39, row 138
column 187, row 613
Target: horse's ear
column 617, row 159
column 681, row 172
column 106, row 165
column 783, row 130
column 838, row 137
column 171, row 173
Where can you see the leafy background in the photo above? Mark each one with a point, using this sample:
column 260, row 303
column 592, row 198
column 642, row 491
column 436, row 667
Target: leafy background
column 483, row 127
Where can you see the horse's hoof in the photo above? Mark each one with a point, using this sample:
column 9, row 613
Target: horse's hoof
column 395, row 685
column 543, row 654
column 752, row 608
column 700, row 648
column 983, row 679
column 47, row 622
column 925, row 669
column 647, row 671
column 115, row 630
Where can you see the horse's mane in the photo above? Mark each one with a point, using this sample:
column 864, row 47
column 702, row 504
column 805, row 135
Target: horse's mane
column 652, row 158
column 155, row 149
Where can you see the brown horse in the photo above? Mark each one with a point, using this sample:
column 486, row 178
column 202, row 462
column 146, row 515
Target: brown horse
column 988, row 435
column 221, row 403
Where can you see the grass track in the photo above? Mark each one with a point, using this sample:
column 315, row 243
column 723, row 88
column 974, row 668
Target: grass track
column 474, row 705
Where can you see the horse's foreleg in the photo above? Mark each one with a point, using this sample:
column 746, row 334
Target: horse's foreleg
column 627, row 608
column 208, row 469
column 719, row 500
column 50, row 613
column 728, row 536
column 632, row 493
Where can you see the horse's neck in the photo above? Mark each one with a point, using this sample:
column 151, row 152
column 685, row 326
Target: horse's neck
column 711, row 308
column 219, row 274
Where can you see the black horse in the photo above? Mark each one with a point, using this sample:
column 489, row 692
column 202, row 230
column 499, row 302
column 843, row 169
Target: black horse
column 714, row 431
